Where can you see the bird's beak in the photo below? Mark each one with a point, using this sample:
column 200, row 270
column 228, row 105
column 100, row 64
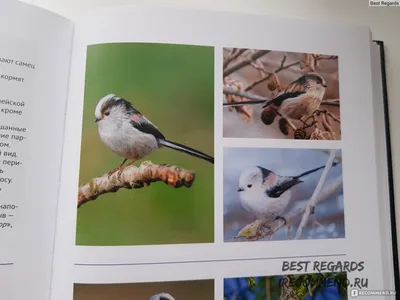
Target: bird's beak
column 96, row 120
column 240, row 190
column 324, row 85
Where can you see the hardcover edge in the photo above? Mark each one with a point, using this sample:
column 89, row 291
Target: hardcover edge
column 390, row 167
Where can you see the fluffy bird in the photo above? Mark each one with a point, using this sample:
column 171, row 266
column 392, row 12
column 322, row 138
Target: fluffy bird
column 266, row 194
column 162, row 296
column 129, row 134
column 298, row 100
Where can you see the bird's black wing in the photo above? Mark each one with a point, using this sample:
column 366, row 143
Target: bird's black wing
column 144, row 125
column 282, row 97
column 139, row 121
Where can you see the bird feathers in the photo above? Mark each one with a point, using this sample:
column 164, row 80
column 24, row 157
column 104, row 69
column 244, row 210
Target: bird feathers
column 185, row 149
column 282, row 96
column 144, row 125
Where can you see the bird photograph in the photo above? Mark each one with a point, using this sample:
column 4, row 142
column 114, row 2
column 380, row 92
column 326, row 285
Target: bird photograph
column 280, row 95
column 317, row 286
column 282, row 194
column 163, row 290
column 147, row 146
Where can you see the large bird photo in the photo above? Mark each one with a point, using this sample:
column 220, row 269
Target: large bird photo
column 282, row 194
column 147, row 151
column 280, row 95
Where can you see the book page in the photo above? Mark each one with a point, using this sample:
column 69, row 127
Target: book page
column 210, row 156
column 34, row 68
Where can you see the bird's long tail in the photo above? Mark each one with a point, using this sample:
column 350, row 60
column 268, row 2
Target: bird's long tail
column 186, row 150
column 251, row 102
column 313, row 170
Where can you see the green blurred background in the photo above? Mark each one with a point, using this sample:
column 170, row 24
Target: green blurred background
column 173, row 86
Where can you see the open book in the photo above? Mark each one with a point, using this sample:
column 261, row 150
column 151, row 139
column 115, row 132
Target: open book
column 160, row 153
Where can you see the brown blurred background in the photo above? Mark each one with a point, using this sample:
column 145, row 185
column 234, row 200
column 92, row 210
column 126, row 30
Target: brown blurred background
column 180, row 290
column 327, row 67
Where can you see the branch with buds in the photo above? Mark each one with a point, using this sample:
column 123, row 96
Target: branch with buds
column 133, row 177
column 238, row 98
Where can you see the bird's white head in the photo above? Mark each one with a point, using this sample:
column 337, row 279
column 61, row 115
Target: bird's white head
column 251, row 179
column 162, row 296
column 112, row 109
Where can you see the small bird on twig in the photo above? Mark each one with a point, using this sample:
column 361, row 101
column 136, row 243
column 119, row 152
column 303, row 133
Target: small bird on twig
column 299, row 100
column 266, row 194
column 162, row 296
column 126, row 132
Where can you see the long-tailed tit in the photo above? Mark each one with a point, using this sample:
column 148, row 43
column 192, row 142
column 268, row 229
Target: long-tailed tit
column 162, row 296
column 266, row 194
column 126, row 132
column 298, row 100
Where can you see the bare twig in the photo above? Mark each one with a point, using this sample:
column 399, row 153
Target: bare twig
column 262, row 79
column 254, row 97
column 245, row 62
column 283, row 67
column 334, row 102
column 321, row 57
column 314, row 198
column 135, row 177
column 259, row 99
column 233, row 56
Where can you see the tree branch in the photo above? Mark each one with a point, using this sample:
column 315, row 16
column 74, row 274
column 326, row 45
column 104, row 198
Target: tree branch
column 314, row 198
column 135, row 177
column 245, row 62
column 256, row 99
column 233, row 56
column 281, row 67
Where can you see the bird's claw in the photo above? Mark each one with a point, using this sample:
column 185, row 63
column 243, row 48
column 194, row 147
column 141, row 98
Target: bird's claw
column 320, row 111
column 112, row 172
column 119, row 174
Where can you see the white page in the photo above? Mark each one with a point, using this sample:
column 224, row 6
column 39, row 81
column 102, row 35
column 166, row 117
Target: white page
column 113, row 264
column 35, row 53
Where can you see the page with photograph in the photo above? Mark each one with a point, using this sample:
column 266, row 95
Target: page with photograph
column 190, row 148
column 34, row 72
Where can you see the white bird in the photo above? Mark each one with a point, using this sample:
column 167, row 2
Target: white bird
column 266, row 194
column 129, row 134
column 162, row 296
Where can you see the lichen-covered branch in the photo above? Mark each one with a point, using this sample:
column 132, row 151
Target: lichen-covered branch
column 133, row 177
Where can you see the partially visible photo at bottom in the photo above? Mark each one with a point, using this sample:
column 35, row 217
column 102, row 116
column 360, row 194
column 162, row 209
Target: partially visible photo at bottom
column 325, row 286
column 171, row 290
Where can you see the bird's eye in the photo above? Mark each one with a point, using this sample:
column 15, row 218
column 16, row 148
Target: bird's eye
column 249, row 185
column 318, row 82
column 107, row 113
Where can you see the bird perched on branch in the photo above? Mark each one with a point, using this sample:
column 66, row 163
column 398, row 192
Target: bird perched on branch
column 297, row 101
column 266, row 194
column 128, row 133
column 162, row 296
